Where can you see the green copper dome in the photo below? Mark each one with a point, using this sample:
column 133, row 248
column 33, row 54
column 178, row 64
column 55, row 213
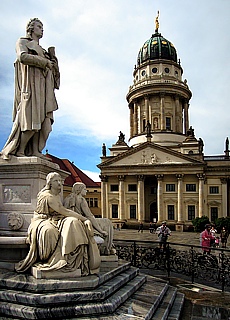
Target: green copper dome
column 157, row 47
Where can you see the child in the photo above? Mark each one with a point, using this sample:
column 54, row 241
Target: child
column 217, row 242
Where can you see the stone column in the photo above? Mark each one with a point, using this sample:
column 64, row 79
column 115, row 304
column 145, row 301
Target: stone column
column 224, row 197
column 186, row 118
column 201, row 177
column 131, row 120
column 177, row 115
column 160, row 197
column 146, row 108
column 135, row 126
column 121, row 197
column 140, row 201
column 104, row 192
column 162, row 106
column 180, row 198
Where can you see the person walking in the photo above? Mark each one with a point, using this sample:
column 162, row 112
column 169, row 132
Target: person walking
column 224, row 236
column 151, row 227
column 141, row 227
column 163, row 233
column 213, row 232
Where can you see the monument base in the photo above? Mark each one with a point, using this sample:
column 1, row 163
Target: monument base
column 21, row 178
column 54, row 274
column 118, row 293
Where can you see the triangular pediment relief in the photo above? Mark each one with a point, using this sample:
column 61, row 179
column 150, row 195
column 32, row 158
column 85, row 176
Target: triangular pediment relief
column 150, row 154
column 191, row 201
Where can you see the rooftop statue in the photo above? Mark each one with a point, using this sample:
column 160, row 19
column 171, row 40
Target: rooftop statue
column 102, row 226
column 157, row 22
column 60, row 239
column 36, row 77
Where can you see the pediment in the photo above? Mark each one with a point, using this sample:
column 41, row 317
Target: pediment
column 150, row 154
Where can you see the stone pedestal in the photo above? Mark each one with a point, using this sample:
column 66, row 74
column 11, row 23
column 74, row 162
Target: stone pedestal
column 180, row 227
column 21, row 178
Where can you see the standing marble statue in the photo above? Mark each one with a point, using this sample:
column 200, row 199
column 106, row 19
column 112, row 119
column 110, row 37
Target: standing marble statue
column 36, row 77
column 103, row 227
column 59, row 238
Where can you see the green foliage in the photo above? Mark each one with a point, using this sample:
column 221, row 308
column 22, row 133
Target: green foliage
column 222, row 222
column 199, row 223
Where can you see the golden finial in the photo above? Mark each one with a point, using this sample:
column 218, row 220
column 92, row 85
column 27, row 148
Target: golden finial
column 157, row 21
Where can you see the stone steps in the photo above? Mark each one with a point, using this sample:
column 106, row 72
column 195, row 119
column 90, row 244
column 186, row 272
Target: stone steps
column 119, row 293
column 177, row 307
column 53, row 298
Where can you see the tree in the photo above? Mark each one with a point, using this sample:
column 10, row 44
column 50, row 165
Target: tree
column 199, row 223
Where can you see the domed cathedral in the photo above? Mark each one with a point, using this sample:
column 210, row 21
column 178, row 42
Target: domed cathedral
column 162, row 173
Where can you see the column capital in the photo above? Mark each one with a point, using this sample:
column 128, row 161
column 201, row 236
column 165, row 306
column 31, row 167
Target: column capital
column 103, row 178
column 159, row 176
column 201, row 176
column 180, row 176
column 140, row 177
column 121, row 177
column 223, row 180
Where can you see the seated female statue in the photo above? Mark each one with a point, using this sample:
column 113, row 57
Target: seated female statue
column 59, row 238
column 102, row 226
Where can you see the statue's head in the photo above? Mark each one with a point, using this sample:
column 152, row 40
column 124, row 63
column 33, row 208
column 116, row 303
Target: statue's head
column 30, row 26
column 78, row 187
column 50, row 177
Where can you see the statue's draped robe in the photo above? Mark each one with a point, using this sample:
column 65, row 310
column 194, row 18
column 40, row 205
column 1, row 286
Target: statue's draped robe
column 58, row 242
column 78, row 204
column 34, row 100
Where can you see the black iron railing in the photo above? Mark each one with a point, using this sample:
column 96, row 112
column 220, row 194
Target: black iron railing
column 186, row 260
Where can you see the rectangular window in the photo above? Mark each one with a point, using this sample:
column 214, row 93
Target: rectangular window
column 191, row 212
column 170, row 187
column 114, row 211
column 114, row 187
column 190, row 187
column 168, row 123
column 132, row 187
column 171, row 215
column 213, row 189
column 133, row 211
column 214, row 213
column 91, row 202
column 95, row 202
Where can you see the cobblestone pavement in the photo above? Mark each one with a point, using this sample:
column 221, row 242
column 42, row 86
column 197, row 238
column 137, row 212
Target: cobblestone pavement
column 188, row 238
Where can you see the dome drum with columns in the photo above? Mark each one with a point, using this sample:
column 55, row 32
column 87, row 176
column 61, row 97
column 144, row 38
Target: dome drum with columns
column 158, row 94
column 162, row 173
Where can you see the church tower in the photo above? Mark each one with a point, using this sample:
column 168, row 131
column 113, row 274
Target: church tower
column 158, row 99
column 162, row 172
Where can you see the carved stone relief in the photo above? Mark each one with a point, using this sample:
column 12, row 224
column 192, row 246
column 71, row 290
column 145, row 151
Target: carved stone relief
column 15, row 220
column 16, row 194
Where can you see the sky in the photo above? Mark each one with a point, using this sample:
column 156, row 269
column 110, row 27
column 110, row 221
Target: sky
column 97, row 42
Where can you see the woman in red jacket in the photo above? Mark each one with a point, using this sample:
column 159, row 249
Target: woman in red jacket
column 206, row 237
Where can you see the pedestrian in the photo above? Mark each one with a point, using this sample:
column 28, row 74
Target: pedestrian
column 151, row 227
column 163, row 233
column 206, row 237
column 217, row 242
column 224, row 236
column 213, row 232
column 141, row 227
